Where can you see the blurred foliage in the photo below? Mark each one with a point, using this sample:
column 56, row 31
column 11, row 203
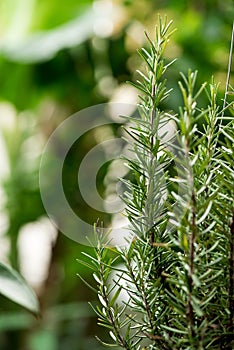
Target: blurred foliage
column 14, row 287
column 56, row 59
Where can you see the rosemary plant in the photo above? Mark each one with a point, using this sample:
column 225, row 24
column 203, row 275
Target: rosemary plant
column 178, row 269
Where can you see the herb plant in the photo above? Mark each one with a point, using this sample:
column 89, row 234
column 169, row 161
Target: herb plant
column 177, row 269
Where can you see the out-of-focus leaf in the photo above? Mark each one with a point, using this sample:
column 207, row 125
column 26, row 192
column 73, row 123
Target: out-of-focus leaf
column 43, row 44
column 69, row 311
column 54, row 315
column 43, row 339
column 15, row 321
column 15, row 288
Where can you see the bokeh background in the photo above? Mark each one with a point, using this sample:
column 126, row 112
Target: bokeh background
column 57, row 58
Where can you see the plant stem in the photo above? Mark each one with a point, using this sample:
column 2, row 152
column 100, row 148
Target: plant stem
column 231, row 276
column 191, row 265
column 120, row 338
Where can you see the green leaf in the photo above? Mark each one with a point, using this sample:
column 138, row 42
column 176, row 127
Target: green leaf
column 41, row 44
column 115, row 297
column 13, row 286
column 175, row 330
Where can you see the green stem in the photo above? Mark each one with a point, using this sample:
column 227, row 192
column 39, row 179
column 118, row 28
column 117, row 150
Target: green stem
column 231, row 277
column 191, row 265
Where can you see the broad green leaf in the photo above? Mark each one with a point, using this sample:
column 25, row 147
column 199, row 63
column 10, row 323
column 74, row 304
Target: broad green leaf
column 13, row 286
column 41, row 46
column 34, row 31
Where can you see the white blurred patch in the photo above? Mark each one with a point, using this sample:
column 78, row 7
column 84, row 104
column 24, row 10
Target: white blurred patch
column 167, row 130
column 35, row 245
column 135, row 36
column 123, row 102
column 118, row 279
column 7, row 124
column 8, row 116
column 108, row 18
column 4, row 225
column 106, row 85
column 4, row 161
column 103, row 27
column 124, row 235
column 31, row 150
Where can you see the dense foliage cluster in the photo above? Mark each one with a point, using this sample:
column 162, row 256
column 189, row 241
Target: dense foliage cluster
column 178, row 268
column 56, row 60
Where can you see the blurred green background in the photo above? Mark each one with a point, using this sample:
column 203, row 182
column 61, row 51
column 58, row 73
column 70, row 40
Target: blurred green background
column 57, row 58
